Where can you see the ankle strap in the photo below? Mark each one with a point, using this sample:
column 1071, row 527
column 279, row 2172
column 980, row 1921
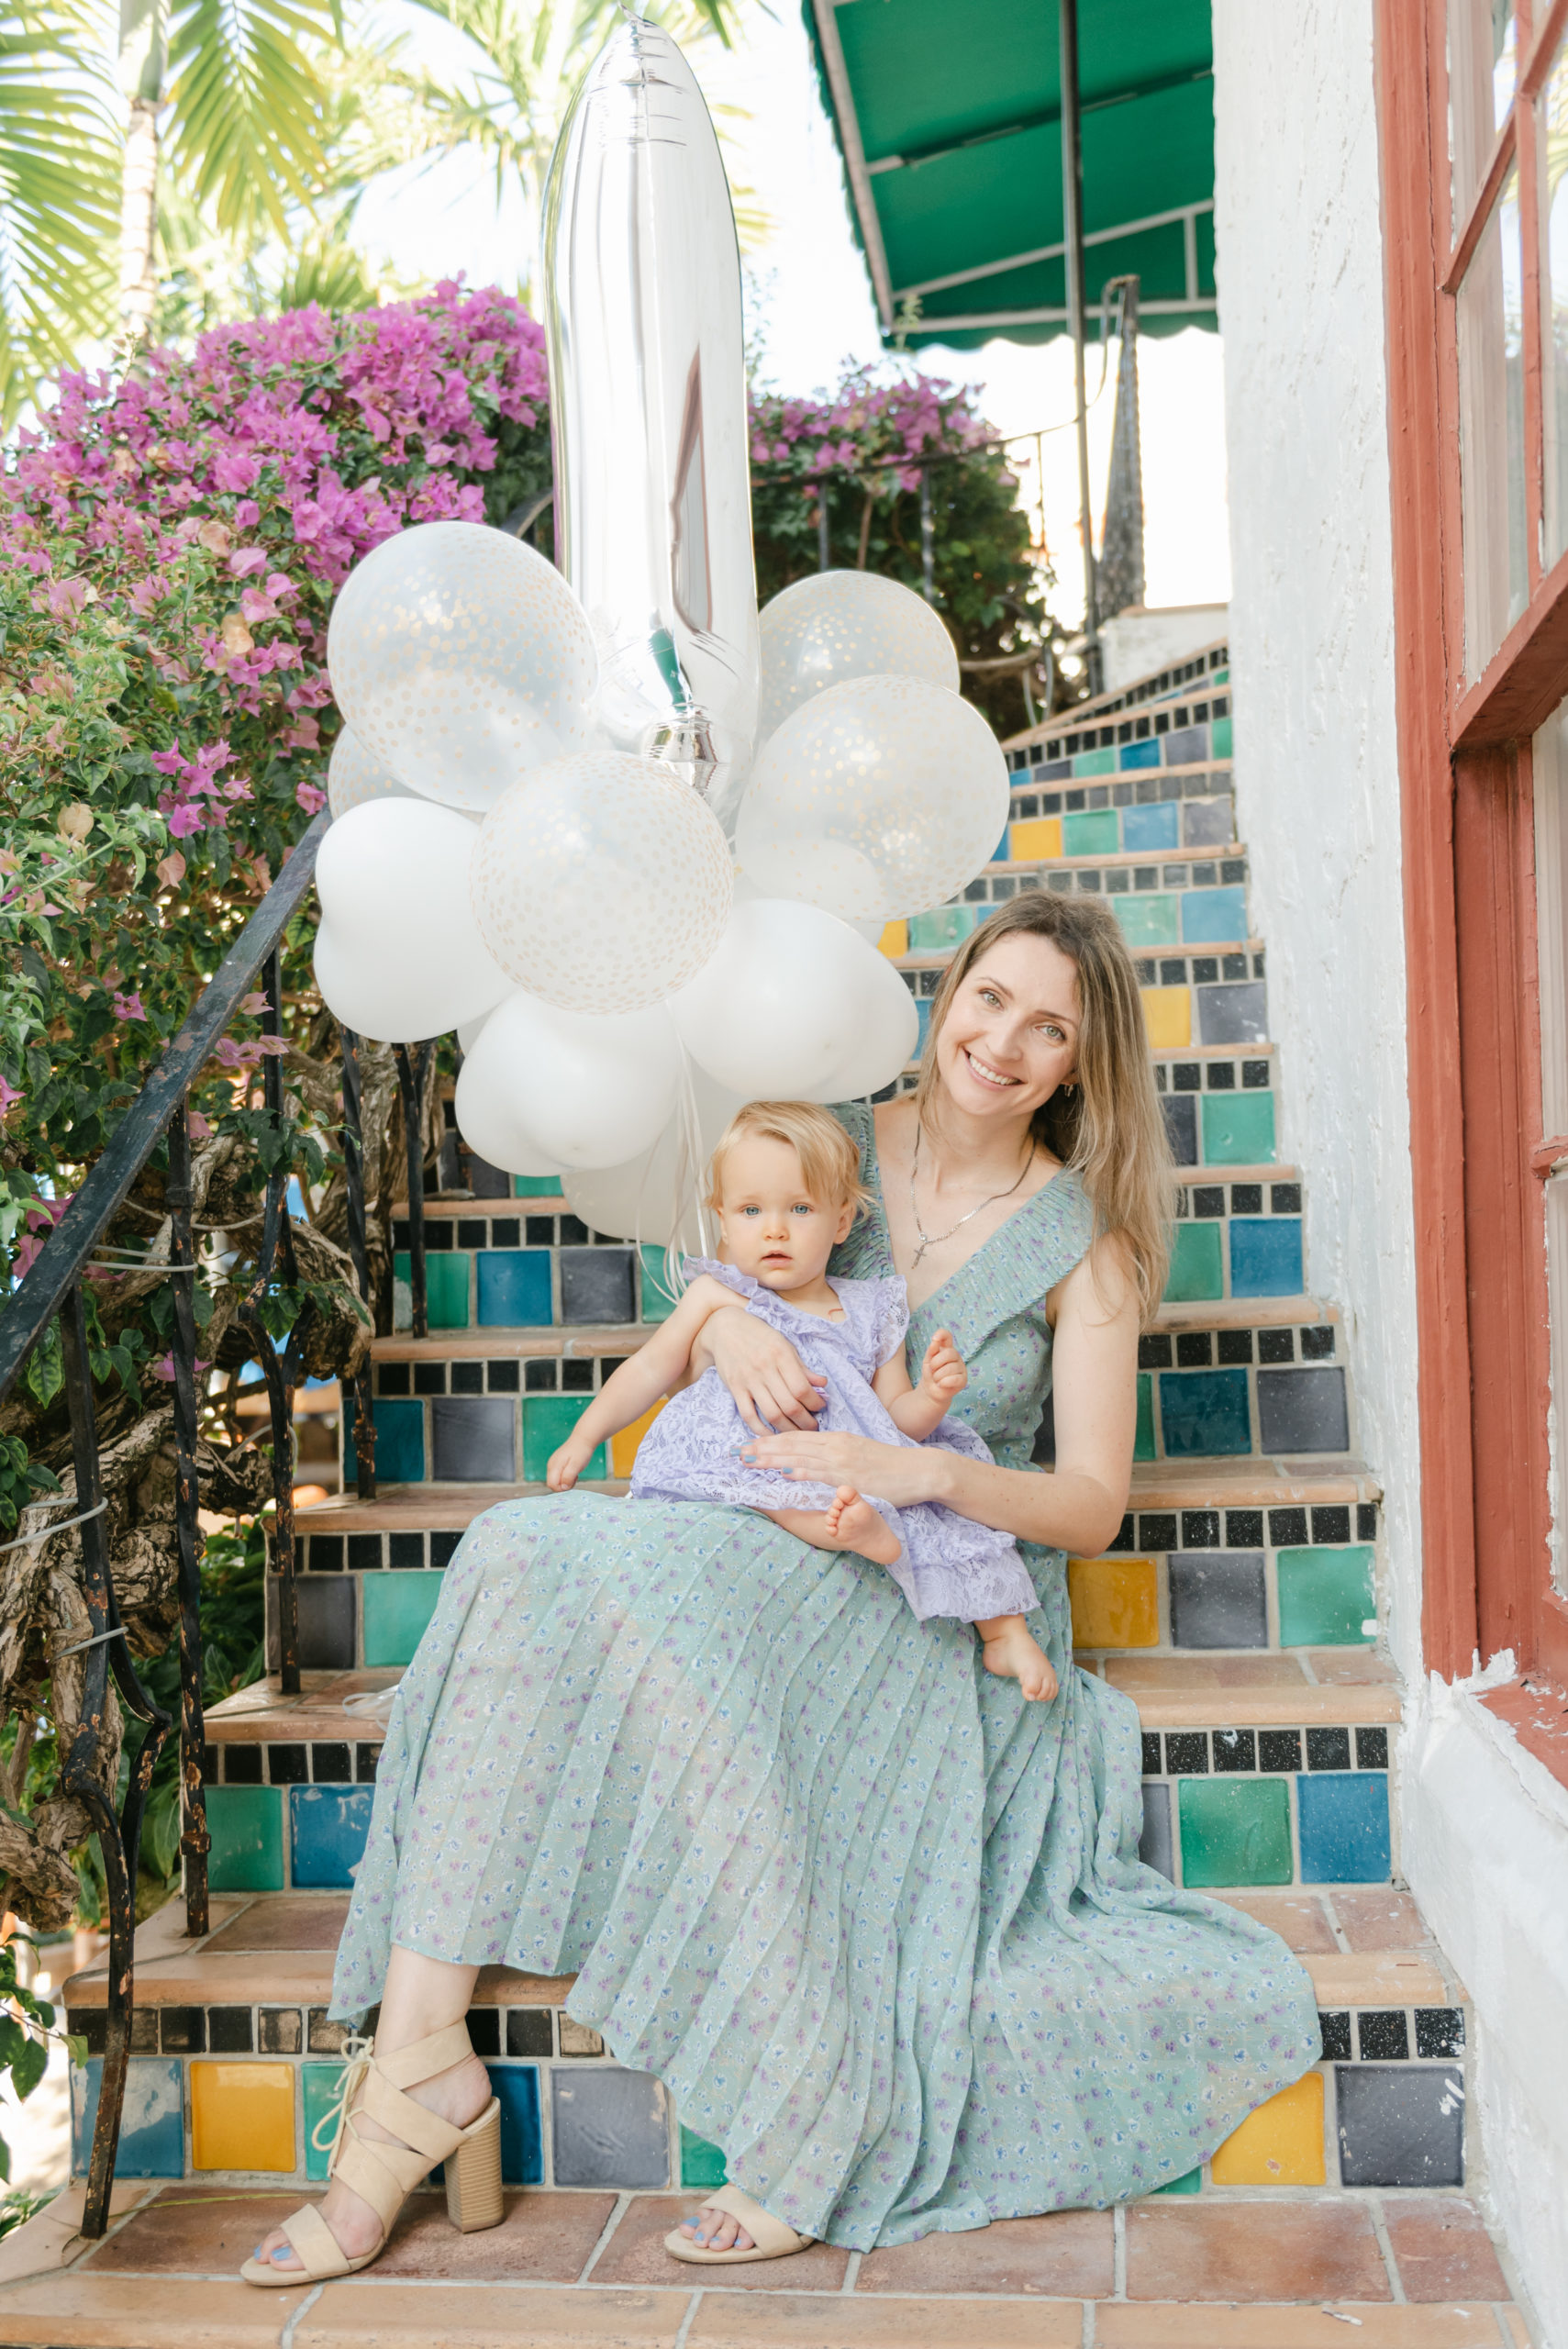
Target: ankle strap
column 425, row 2057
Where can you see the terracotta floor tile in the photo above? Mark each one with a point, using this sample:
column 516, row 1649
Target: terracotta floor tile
column 849, row 2322
column 194, row 2231
column 1375, row 1919
column 289, row 1920
column 1071, row 2254
column 1299, row 1919
column 360, row 2315
column 544, row 2239
column 1247, row 2251
column 1169, row 2325
column 1518, row 2330
column 86, row 2311
column 1334, row 1667
column 1443, row 2250
column 635, row 2254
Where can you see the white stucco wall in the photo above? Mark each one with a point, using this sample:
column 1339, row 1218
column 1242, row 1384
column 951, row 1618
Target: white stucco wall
column 1297, row 228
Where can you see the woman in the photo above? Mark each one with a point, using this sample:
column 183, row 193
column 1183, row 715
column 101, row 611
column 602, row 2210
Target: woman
column 877, row 1922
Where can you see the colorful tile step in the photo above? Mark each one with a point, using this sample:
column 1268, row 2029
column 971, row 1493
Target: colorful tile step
column 1210, row 999
column 1191, row 727
column 1203, row 790
column 1222, row 1377
column 1233, row 1579
column 542, row 1271
column 1182, row 902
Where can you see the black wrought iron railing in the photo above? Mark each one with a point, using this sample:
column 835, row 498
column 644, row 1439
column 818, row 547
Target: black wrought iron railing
column 52, row 1293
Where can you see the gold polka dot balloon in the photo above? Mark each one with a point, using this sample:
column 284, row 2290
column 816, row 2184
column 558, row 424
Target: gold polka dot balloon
column 461, row 658
column 354, row 775
column 881, row 797
column 840, row 624
column 601, row 883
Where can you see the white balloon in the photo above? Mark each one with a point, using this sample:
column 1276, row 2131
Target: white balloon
column 793, row 1005
column 544, row 1089
column 354, row 775
column 902, row 775
column 461, row 658
column 602, row 884
column 398, row 956
column 653, row 1197
column 840, row 624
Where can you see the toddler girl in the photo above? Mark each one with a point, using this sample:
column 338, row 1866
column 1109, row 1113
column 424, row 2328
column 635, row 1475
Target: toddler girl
column 785, row 1189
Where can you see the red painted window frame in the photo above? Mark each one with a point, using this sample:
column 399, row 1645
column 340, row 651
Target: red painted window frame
column 1478, row 1152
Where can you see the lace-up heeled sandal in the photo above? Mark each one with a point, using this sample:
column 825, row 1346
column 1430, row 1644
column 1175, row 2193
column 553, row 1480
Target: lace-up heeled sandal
column 386, row 2175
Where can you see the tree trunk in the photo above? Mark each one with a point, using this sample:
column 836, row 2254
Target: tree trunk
column 141, row 65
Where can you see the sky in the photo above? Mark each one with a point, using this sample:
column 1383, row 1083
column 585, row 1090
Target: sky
column 809, row 306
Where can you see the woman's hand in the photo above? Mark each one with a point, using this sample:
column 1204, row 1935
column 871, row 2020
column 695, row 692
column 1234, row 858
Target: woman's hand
column 902, row 1474
column 771, row 1386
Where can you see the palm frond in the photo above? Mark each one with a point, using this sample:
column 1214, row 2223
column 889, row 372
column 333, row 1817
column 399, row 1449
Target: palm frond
column 245, row 90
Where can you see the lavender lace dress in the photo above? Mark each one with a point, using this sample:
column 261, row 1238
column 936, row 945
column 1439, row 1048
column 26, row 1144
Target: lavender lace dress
column 949, row 1566
column 878, row 1923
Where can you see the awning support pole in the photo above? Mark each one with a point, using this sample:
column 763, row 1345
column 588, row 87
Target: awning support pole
column 1073, row 238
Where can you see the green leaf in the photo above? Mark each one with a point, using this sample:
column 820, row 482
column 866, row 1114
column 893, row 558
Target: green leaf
column 29, row 2066
column 45, row 1373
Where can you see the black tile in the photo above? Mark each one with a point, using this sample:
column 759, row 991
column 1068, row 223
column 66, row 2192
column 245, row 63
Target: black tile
column 1174, row 974
column 325, row 1553
column 1383, row 2035
column 473, row 1439
column 1232, row 869
column 1331, row 1524
column 502, row 1377
column 1206, row 970
column 472, row 1235
column 279, row 2032
column 211, row 1765
column 181, row 2031
column 1180, row 1129
column 1372, row 1753
column 1366, row 1520
column 1234, row 1749
column 331, row 1764
column 429, row 1378
column 467, row 1378
column 1255, row 1076
column 1154, row 1351
column 1235, row 965
column 438, row 1236
column 1287, row 1528
column 1336, row 2030
column 144, row 2031
column 324, row 2037
column 506, row 1231
column 1328, row 1749
column 1074, row 800
column 1151, row 1754
column 1246, row 1198
column 541, row 1377
column 1200, row 1529
column 1222, row 1076
column 596, row 1286
column 1303, row 1410
column 538, row 1230
column 1279, row 1749
column 365, row 1759
column 394, row 1378
column 400, row 1233
column 484, row 2030
column 1208, row 1198
column 1216, row 1599
column 441, row 1548
column 90, row 2023
column 1276, row 1345
column 576, row 1378
column 325, row 1604
column 228, row 2030
column 528, row 2030
column 405, row 1551
column 1187, row 1076
column 1318, row 1341
column 242, row 1765
column 364, row 1552
column 1126, row 1535
column 974, row 892
column 1156, row 1530
column 487, row 1182
column 608, row 1365
column 1284, row 1199
column 573, row 1232
column 1244, row 1528
column 1195, row 1350
column 1186, row 1752
column 287, row 1765
column 1439, row 2030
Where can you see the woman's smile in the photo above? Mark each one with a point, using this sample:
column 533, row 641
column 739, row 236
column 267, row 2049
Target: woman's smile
column 983, row 1071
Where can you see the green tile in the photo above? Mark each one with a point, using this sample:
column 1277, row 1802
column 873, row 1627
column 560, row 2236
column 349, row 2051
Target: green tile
column 537, row 1186
column 1197, row 1271
column 321, row 2084
column 548, row 1420
column 246, row 1824
column 1191, row 2184
column 658, row 1291
column 1238, row 1129
column 446, row 1286
column 1094, row 762
column 1219, row 738
column 941, row 927
column 1095, row 831
column 1235, row 1831
column 1326, row 1598
column 1146, row 921
column 396, row 1609
column 1143, row 1443
column 701, row 2163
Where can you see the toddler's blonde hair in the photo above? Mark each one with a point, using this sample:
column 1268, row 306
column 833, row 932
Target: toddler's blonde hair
column 830, row 1163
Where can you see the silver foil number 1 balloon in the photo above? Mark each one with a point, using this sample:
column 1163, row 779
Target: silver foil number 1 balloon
column 648, row 413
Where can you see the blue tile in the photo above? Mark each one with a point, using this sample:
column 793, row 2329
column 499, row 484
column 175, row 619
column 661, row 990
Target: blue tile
column 152, row 2134
column 514, row 1289
column 328, row 1826
column 399, row 1444
column 1344, row 1827
column 1138, row 754
column 923, row 1014
column 522, row 2139
column 1002, row 852
column 1150, row 827
column 610, row 2128
column 1211, row 914
column 1265, row 1256
column 1204, row 1413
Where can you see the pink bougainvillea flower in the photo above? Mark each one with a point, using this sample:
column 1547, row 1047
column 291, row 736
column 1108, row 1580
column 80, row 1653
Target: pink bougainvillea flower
column 129, row 1007
column 8, row 1095
column 165, row 1369
column 199, row 1128
column 308, row 797
column 254, row 1003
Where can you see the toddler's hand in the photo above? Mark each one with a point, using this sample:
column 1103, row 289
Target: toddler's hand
column 567, row 1465
column 943, row 1373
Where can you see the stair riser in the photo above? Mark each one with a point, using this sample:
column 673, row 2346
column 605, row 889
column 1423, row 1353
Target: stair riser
column 1166, row 905
column 1158, row 815
column 1178, row 727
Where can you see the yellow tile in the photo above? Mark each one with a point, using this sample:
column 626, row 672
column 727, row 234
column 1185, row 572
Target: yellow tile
column 1168, row 1015
column 1280, row 2144
column 894, row 940
column 1039, row 838
column 243, row 2116
column 623, row 1447
column 1116, row 1602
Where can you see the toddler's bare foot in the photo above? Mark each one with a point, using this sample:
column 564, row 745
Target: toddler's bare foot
column 853, row 1524
column 1012, row 1653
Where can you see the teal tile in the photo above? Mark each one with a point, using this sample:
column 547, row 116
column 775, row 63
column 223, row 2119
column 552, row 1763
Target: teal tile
column 1204, row 1414
column 1238, row 1129
column 246, row 1824
column 1143, row 1443
column 1221, row 739
column 1139, row 755
column 1326, row 1598
column 396, row 1609
column 1095, row 831
column 445, row 1287
column 1196, row 1270
column 941, row 927
column 1146, row 921
column 1152, row 828
column 1344, row 1827
column 537, row 1186
column 1094, row 762
column 1212, row 916
column 399, row 1443
column 658, row 1288
column 320, row 2086
column 701, row 2163
column 1235, row 1831
column 514, row 1289
column 548, row 1420
column 1191, row 2184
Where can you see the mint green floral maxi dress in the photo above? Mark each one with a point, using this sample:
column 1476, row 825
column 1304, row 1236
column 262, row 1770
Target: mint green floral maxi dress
column 878, row 1925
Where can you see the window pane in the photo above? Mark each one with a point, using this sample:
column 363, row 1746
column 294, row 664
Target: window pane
column 1492, row 433
column 1482, row 65
column 1552, row 167
column 1550, row 766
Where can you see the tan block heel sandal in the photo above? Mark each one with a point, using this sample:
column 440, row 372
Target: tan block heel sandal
column 384, row 2175
column 771, row 2238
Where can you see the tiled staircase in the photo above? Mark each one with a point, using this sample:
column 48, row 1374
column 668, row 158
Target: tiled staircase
column 1237, row 1605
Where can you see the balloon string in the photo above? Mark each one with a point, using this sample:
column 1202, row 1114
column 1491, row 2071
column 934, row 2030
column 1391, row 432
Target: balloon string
column 692, row 1172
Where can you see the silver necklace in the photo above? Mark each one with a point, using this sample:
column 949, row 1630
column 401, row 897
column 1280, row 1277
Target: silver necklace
column 936, row 1239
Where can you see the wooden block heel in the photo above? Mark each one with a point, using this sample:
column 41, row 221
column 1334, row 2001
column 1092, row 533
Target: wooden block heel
column 474, row 2175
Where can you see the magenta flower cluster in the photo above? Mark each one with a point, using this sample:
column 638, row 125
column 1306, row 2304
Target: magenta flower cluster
column 866, row 428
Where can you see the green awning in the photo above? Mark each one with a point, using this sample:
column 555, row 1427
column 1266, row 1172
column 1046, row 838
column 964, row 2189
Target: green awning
column 947, row 115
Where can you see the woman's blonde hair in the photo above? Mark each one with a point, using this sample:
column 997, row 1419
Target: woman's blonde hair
column 830, row 1163
column 1108, row 1127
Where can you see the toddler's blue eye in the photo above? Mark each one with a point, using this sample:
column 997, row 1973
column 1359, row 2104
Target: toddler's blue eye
column 750, row 1210
column 801, row 1210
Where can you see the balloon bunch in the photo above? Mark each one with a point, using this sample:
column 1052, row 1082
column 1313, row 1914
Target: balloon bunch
column 553, row 831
